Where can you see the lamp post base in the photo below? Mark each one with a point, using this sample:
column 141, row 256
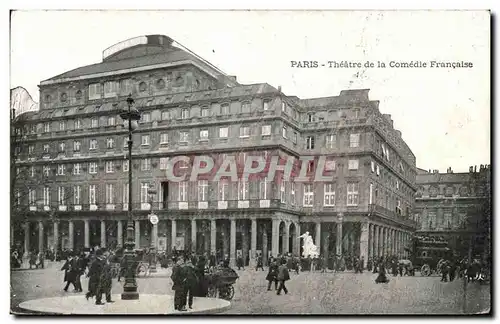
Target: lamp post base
column 130, row 285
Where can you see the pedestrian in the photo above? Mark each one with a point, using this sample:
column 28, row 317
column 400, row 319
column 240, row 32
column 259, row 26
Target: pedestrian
column 239, row 263
column 381, row 278
column 178, row 284
column 444, row 271
column 283, row 276
column 272, row 276
column 191, row 282
column 94, row 275
column 260, row 263
column 105, row 281
column 70, row 272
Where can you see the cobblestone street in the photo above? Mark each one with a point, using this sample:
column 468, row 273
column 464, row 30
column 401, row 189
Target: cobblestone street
column 317, row 293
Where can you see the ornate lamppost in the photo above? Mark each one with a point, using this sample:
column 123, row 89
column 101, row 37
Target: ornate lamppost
column 154, row 233
column 130, row 116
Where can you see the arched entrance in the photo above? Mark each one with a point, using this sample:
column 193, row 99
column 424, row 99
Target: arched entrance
column 292, row 239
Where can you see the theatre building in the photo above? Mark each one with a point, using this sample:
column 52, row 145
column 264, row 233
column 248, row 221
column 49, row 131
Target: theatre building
column 76, row 193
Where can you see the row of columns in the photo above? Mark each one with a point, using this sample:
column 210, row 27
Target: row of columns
column 387, row 241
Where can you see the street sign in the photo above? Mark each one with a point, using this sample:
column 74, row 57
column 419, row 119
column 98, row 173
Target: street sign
column 153, row 219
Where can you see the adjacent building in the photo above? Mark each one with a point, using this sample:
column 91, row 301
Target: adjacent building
column 75, row 194
column 455, row 207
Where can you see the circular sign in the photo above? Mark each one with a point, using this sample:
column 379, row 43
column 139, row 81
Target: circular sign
column 153, row 219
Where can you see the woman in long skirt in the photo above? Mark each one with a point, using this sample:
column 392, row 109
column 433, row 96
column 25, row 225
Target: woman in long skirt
column 382, row 278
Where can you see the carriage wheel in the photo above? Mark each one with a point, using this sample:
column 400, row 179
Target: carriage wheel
column 230, row 292
column 226, row 292
column 212, row 292
column 425, row 270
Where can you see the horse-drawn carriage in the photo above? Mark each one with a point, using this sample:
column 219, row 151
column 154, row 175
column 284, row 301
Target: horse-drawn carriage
column 220, row 283
column 429, row 253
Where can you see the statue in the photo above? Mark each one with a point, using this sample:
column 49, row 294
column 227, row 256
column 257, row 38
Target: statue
column 309, row 248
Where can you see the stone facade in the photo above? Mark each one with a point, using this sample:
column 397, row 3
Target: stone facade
column 190, row 108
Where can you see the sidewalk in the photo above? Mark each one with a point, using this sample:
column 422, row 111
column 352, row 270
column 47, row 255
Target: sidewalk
column 47, row 265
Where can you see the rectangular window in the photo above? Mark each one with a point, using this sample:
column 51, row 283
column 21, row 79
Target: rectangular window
column 353, row 164
column 126, row 87
column 125, row 141
column 94, row 91
column 184, row 113
column 204, row 112
column 398, row 207
column 110, row 193
column 308, row 195
column 244, row 131
column 164, row 163
column 352, row 194
column 354, row 140
column 184, row 137
column 202, row 190
column 331, row 141
column 224, row 109
column 93, row 144
column 76, row 168
column 76, row 146
column 125, row 193
column 61, row 196
column 62, row 125
column 373, row 166
column 242, row 189
column 46, row 148
column 283, row 132
column 145, row 140
column 78, row 124
column 92, row 167
column 46, row 196
column 144, row 192
column 146, row 164
column 32, row 197
column 165, row 115
column 92, row 194
column 31, row 149
column 223, row 190
column 46, row 171
column 110, row 143
column 32, row 171
column 371, row 194
column 294, row 139
column 378, row 170
column 110, row 167
column 145, row 118
column 164, row 138
column 282, row 192
column 263, row 189
column 310, row 118
column 125, row 166
column 110, row 89
column 266, row 104
column 62, row 147
column 60, row 169
column 77, row 190
column 223, row 132
column 310, row 143
column 283, row 106
column 266, row 130
column 46, row 127
column 111, row 121
column 245, row 107
column 292, row 193
column 204, row 135
column 183, row 187
column 329, row 194
column 94, row 122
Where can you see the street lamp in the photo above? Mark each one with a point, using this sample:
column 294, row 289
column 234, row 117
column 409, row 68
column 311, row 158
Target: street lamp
column 130, row 117
column 154, row 235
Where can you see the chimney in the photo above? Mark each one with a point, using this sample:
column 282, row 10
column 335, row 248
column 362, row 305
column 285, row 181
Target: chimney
column 471, row 169
column 279, row 88
column 475, row 168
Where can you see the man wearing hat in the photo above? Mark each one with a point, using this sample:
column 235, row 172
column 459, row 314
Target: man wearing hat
column 179, row 283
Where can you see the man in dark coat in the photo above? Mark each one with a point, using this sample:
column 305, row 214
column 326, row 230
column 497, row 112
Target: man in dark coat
column 239, row 262
column 105, row 281
column 260, row 264
column 94, row 275
column 272, row 275
column 178, row 278
column 283, row 275
column 202, row 290
column 191, row 282
column 70, row 268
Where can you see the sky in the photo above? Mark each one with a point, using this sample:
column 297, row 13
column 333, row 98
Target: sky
column 443, row 113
